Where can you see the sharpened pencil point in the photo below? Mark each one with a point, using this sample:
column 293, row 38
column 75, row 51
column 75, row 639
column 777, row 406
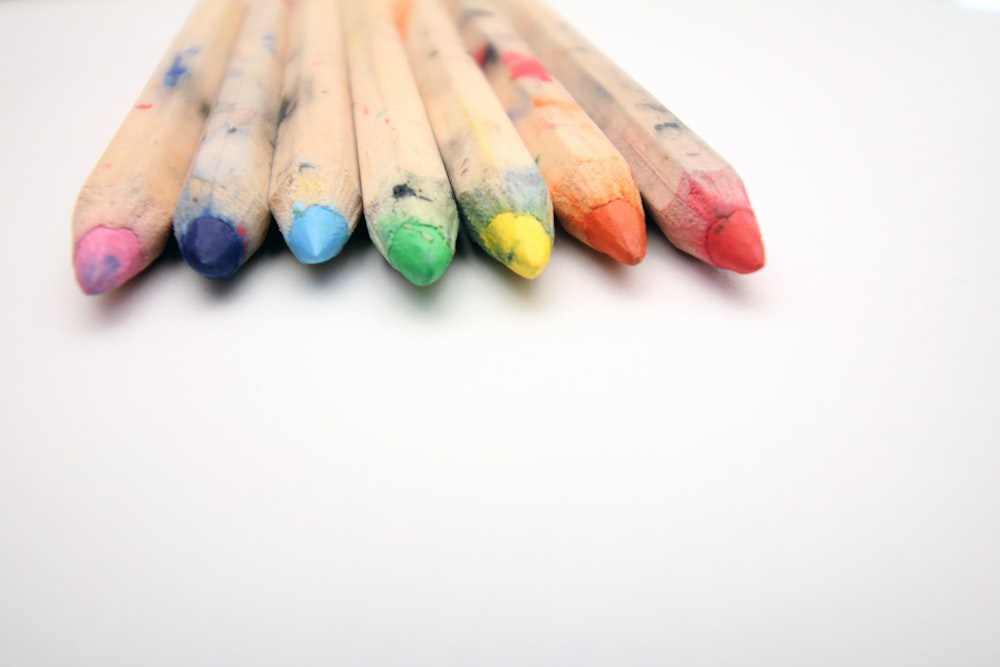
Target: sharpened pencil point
column 212, row 247
column 734, row 243
column 420, row 253
column 519, row 241
column 317, row 234
column 618, row 229
column 105, row 258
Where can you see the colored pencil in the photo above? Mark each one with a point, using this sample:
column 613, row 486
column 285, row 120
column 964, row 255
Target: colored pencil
column 694, row 195
column 222, row 216
column 500, row 192
column 409, row 205
column 315, row 193
column 593, row 192
column 121, row 221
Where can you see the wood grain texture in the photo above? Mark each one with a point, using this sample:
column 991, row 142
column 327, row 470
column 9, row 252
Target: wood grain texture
column 693, row 194
column 229, row 176
column 408, row 201
column 499, row 189
column 138, row 179
column 583, row 170
column 315, row 158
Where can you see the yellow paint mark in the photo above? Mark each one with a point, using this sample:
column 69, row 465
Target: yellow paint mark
column 478, row 128
column 312, row 185
column 520, row 242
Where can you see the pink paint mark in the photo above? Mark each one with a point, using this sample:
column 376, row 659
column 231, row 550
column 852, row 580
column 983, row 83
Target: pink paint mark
column 712, row 198
column 106, row 257
column 480, row 54
column 107, row 165
column 710, row 218
column 242, row 231
column 366, row 109
column 522, row 65
column 143, row 107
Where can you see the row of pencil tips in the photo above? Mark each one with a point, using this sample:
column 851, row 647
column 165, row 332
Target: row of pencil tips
column 417, row 115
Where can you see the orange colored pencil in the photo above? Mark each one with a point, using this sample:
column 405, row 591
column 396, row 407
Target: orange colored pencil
column 593, row 191
column 693, row 194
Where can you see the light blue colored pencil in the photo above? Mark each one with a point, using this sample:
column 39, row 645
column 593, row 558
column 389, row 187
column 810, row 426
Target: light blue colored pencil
column 315, row 188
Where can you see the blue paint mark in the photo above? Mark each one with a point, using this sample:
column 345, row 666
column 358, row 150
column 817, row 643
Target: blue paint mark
column 90, row 273
column 101, row 272
column 193, row 50
column 268, row 41
column 176, row 72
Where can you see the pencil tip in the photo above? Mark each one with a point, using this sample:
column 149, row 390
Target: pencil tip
column 317, row 234
column 212, row 247
column 618, row 229
column 519, row 241
column 734, row 243
column 420, row 253
column 105, row 258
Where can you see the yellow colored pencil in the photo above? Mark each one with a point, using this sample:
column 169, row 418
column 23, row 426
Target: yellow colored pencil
column 593, row 191
column 499, row 189
column 315, row 191
column 409, row 205
column 123, row 215
column 223, row 214
column 694, row 195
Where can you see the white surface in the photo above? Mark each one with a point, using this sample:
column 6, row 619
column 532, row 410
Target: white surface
column 987, row 5
column 609, row 466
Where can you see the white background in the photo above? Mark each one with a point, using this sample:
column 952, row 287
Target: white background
column 658, row 465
